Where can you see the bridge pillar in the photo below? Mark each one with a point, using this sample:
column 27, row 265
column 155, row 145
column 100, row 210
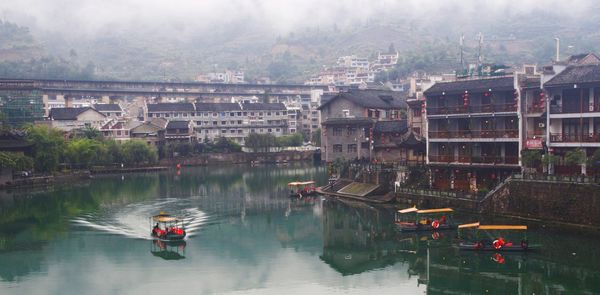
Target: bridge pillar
column 105, row 99
column 46, row 106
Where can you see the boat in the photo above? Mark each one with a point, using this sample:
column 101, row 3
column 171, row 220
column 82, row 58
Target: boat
column 167, row 227
column 477, row 237
column 300, row 189
column 413, row 219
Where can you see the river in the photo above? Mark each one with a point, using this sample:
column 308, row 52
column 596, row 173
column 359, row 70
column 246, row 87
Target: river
column 247, row 236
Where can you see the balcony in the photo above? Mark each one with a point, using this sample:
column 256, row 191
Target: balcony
column 469, row 159
column 506, row 133
column 563, row 109
column 472, row 109
column 534, row 109
column 562, row 137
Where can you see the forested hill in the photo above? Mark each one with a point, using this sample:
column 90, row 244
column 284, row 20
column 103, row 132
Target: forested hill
column 425, row 41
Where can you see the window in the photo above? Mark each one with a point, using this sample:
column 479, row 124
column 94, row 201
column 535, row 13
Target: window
column 232, row 114
column 240, row 131
column 346, row 113
column 239, row 122
column 176, row 115
column 277, row 129
column 337, row 148
column 185, row 114
column 149, row 115
column 352, row 148
column 270, row 130
column 118, row 132
column 166, row 115
column 232, row 131
column 224, row 131
column 198, row 123
column 223, row 122
column 269, row 113
column 351, row 131
column 364, row 145
column 276, row 113
column 214, row 114
column 252, row 131
column 337, row 131
column 215, row 123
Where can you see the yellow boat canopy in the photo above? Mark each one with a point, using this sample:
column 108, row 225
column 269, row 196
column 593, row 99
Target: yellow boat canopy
column 164, row 218
column 440, row 210
column 408, row 210
column 297, row 183
column 499, row 227
column 493, row 227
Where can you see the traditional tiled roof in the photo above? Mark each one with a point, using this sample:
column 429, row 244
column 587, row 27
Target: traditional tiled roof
column 263, row 106
column 344, row 121
column 68, row 113
column 146, row 128
column 217, row 107
column 530, row 83
column 412, row 142
column 178, row 125
column 391, row 126
column 171, row 107
column 473, row 86
column 575, row 75
column 108, row 107
column 376, row 99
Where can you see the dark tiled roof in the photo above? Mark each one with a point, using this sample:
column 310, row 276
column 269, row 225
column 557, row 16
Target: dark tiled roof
column 107, row 107
column 575, row 74
column 376, row 99
column 67, row 113
column 171, row 107
column 263, row 106
column 342, row 121
column 178, row 124
column 391, row 126
column 412, row 142
column 530, row 83
column 217, row 107
column 478, row 85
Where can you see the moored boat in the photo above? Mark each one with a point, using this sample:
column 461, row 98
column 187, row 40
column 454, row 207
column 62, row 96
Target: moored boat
column 167, row 227
column 300, row 189
column 476, row 237
column 413, row 219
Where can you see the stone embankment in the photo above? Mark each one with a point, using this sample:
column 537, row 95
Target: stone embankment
column 573, row 201
column 240, row 158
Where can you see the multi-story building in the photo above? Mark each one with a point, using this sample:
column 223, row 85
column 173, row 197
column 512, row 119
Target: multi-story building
column 179, row 131
column 573, row 112
column 69, row 119
column 111, row 110
column 170, row 111
column 473, row 132
column 214, row 120
column 152, row 132
column 353, row 61
column 348, row 121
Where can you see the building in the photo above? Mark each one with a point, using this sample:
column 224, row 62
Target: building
column 214, row 120
column 69, row 119
column 348, row 121
column 168, row 111
column 179, row 131
column 111, row 110
column 152, row 132
column 473, row 136
column 20, row 102
column 573, row 107
column 119, row 130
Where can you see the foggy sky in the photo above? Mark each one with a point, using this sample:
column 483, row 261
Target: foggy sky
column 83, row 17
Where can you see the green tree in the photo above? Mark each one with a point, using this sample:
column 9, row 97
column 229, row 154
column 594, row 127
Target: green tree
column 531, row 158
column 576, row 157
column 91, row 133
column 316, row 137
column 548, row 162
column 48, row 146
column 137, row 152
column 15, row 161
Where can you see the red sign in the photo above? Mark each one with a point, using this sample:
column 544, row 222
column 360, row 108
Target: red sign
column 533, row 143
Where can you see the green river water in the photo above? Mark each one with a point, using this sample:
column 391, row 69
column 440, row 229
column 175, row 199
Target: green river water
column 247, row 236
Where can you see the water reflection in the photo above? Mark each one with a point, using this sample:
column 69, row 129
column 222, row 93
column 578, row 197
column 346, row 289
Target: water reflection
column 174, row 250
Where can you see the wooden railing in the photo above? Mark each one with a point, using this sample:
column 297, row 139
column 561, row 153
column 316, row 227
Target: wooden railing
column 507, row 133
column 469, row 159
column 462, row 109
column 562, row 137
column 586, row 108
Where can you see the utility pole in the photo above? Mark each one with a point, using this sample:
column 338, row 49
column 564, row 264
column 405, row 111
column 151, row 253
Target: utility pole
column 557, row 49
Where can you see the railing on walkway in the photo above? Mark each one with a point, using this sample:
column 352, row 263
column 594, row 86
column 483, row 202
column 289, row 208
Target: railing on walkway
column 562, row 137
column 468, row 159
column 462, row 109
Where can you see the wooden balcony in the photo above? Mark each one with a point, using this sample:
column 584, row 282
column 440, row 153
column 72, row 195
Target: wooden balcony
column 469, row 159
column 562, row 137
column 586, row 108
column 506, row 133
column 472, row 109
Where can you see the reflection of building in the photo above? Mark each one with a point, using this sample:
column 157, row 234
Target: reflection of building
column 357, row 238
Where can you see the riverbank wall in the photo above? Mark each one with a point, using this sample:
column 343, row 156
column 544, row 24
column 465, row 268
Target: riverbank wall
column 240, row 158
column 557, row 201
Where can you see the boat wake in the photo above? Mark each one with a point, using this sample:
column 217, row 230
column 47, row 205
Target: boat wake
column 133, row 220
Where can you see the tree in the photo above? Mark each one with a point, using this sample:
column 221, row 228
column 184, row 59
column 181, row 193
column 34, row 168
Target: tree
column 316, row 137
column 594, row 160
column 576, row 157
column 548, row 161
column 91, row 133
column 531, row 158
column 48, row 146
column 137, row 152
column 15, row 161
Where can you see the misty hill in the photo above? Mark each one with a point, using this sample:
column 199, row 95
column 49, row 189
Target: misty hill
column 427, row 40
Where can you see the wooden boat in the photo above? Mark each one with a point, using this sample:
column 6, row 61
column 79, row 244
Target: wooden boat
column 413, row 219
column 476, row 237
column 300, row 189
column 167, row 227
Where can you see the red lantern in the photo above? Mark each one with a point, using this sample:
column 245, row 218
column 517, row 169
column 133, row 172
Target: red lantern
column 486, row 94
column 493, row 176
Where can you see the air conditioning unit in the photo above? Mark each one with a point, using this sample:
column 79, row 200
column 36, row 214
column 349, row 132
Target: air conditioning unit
column 541, row 125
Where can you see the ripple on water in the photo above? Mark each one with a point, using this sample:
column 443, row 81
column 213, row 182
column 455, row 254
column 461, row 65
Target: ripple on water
column 133, row 220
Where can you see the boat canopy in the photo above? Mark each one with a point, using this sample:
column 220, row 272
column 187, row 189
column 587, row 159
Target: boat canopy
column 408, row 210
column 297, row 183
column 440, row 210
column 164, row 218
column 493, row 227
